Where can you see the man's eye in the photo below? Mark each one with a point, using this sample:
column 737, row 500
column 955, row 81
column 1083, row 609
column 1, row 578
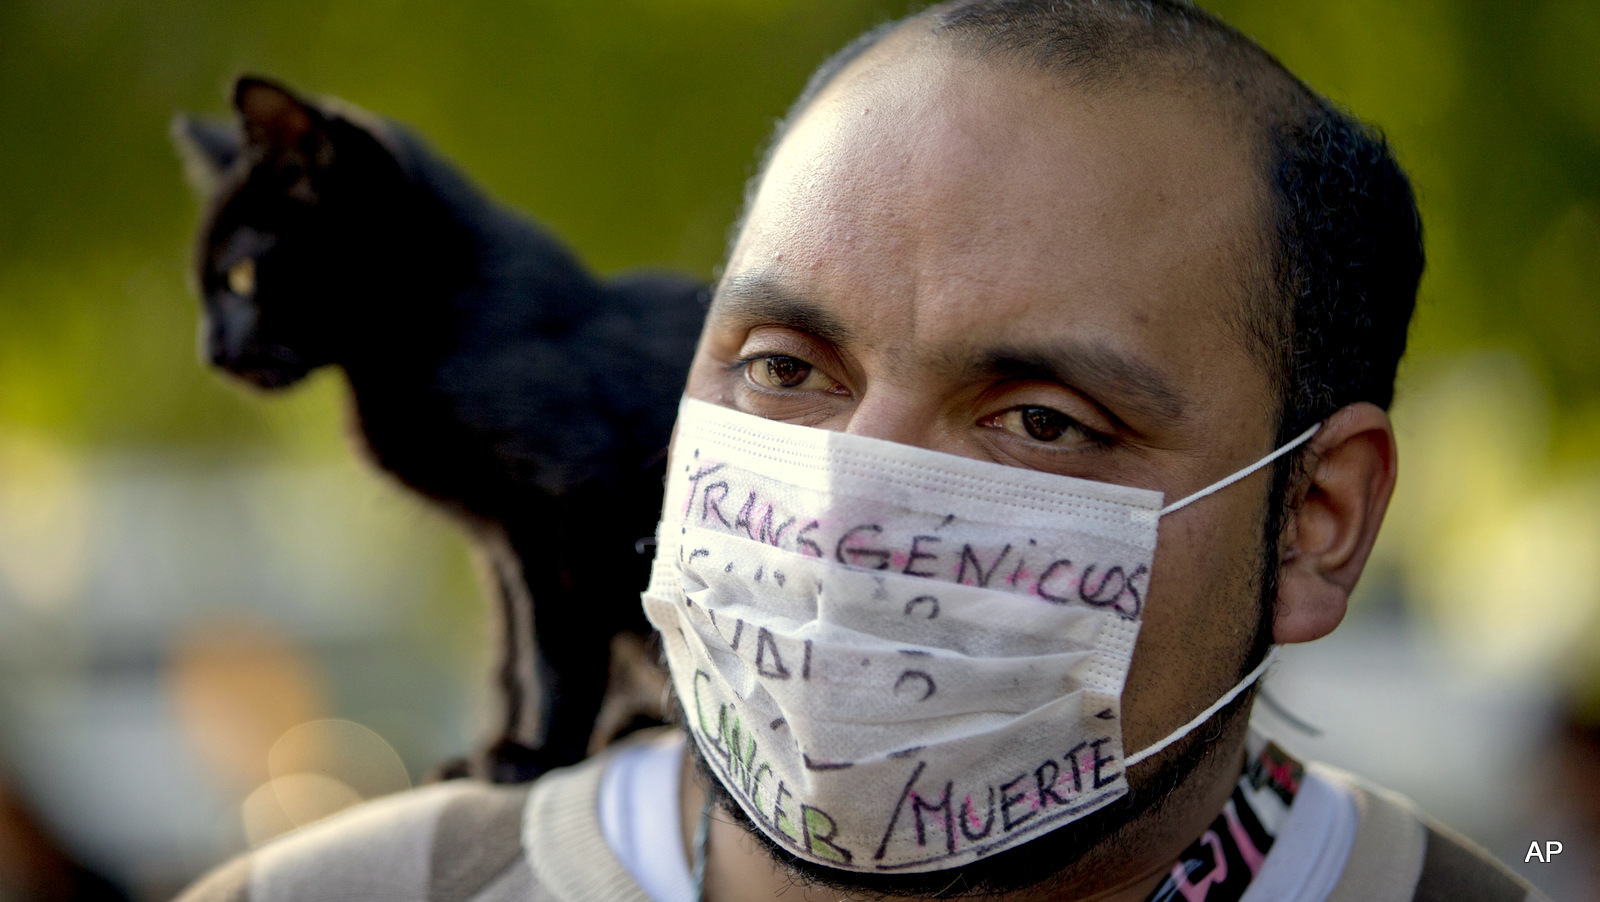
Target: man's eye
column 1039, row 423
column 785, row 372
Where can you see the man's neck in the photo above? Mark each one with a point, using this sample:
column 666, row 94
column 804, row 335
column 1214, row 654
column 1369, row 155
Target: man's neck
column 1126, row 867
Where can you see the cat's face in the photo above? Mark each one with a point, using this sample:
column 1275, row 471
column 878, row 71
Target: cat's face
column 294, row 233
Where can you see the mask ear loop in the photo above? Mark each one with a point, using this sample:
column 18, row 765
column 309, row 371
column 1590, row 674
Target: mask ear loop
column 1203, row 716
column 1272, row 655
column 1221, row 484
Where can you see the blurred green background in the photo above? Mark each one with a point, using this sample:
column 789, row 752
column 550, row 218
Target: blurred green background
column 629, row 129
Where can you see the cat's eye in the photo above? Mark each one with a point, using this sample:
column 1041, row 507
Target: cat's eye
column 242, row 277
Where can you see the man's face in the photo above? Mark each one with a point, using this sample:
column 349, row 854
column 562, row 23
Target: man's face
column 977, row 259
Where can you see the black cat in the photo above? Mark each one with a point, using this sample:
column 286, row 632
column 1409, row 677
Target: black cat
column 489, row 372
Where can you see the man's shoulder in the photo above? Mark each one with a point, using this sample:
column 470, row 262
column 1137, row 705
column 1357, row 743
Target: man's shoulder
column 458, row 841
column 1401, row 854
column 453, row 842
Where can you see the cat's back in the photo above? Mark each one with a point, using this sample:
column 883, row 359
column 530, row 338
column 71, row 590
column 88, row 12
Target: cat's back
column 509, row 249
column 670, row 309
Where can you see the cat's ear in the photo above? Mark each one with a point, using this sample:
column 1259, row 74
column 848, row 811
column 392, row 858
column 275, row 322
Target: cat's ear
column 208, row 149
column 276, row 119
column 278, row 125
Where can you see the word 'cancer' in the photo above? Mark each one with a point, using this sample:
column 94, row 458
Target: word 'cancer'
column 738, row 755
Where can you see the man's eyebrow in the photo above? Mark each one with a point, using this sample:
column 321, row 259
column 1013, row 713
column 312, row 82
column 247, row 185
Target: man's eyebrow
column 759, row 300
column 1123, row 382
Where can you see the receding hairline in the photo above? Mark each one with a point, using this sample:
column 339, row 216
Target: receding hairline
column 1207, row 56
column 1211, row 64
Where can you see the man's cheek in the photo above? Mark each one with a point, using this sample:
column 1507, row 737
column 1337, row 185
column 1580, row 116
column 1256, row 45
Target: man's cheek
column 1198, row 623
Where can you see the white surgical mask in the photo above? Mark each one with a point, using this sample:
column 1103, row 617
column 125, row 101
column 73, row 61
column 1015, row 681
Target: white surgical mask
column 897, row 659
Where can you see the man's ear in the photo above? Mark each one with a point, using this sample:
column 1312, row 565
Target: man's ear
column 1330, row 533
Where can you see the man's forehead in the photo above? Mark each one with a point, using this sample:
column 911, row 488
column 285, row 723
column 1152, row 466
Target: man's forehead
column 933, row 179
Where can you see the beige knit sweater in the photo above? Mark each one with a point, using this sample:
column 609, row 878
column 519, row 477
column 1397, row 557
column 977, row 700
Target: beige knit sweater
column 465, row 841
